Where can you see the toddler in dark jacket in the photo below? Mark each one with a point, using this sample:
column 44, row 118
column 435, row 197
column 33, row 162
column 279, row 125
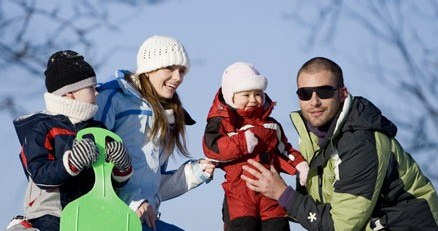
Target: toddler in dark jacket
column 56, row 164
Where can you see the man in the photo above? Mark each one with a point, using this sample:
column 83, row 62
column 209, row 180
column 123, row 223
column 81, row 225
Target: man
column 359, row 177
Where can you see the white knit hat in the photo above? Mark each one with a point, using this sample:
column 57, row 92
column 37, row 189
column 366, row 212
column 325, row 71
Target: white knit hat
column 160, row 51
column 239, row 77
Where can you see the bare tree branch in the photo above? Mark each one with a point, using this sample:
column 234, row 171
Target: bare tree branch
column 57, row 25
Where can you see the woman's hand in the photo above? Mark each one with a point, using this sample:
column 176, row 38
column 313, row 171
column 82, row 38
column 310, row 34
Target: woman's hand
column 207, row 166
column 147, row 214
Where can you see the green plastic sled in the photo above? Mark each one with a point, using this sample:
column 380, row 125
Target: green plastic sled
column 101, row 208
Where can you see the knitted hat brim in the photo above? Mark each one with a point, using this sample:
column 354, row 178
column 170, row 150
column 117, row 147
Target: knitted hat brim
column 246, row 83
column 76, row 86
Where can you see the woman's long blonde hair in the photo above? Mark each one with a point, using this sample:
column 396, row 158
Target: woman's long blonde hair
column 169, row 136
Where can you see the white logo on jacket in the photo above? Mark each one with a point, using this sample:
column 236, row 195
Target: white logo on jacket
column 312, row 217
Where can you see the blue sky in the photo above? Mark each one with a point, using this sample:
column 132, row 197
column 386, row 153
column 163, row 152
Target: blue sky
column 215, row 34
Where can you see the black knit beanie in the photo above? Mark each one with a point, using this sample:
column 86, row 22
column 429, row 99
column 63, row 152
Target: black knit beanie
column 67, row 71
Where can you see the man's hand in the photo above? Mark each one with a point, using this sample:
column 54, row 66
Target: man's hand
column 268, row 181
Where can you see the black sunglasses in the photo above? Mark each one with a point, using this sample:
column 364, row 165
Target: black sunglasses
column 323, row 92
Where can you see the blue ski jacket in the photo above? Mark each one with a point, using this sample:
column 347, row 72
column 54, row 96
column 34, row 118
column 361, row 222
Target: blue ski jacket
column 124, row 111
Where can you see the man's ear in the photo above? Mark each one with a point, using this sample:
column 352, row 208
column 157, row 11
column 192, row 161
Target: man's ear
column 343, row 93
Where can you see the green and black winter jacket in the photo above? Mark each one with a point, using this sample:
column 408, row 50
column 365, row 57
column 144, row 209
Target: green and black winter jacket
column 359, row 173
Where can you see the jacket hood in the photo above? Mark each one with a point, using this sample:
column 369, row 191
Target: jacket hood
column 121, row 85
column 220, row 109
column 364, row 115
column 125, row 86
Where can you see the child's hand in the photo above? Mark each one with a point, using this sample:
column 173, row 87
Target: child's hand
column 267, row 137
column 303, row 170
column 116, row 153
column 83, row 154
column 251, row 141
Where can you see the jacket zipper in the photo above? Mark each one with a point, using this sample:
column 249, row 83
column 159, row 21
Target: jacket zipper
column 320, row 171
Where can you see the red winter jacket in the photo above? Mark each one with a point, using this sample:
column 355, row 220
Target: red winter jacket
column 225, row 142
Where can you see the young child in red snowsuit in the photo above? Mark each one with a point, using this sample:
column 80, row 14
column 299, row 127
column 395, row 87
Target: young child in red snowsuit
column 239, row 128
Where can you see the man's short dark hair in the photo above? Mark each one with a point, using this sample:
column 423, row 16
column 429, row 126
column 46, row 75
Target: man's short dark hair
column 319, row 64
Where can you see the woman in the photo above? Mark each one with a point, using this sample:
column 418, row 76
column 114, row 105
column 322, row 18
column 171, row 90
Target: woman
column 144, row 109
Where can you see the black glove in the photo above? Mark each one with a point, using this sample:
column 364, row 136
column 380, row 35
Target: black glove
column 83, row 154
column 116, row 153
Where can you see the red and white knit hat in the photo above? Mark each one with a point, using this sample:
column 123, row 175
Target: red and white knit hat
column 241, row 76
